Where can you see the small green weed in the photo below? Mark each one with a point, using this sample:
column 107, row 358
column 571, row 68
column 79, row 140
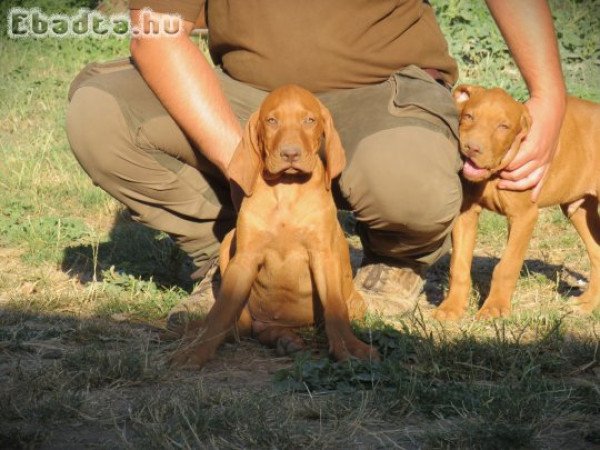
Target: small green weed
column 44, row 237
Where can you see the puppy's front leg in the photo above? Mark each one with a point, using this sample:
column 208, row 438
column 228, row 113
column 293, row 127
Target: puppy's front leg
column 343, row 344
column 506, row 273
column 464, row 236
column 233, row 295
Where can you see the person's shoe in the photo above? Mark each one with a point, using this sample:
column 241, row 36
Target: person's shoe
column 200, row 301
column 387, row 289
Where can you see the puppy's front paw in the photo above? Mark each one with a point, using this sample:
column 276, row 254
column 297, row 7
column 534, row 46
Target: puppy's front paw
column 492, row 309
column 447, row 313
column 342, row 351
column 366, row 353
column 192, row 357
column 452, row 308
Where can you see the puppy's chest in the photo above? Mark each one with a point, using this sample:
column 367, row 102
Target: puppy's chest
column 285, row 247
column 500, row 201
column 283, row 288
column 291, row 228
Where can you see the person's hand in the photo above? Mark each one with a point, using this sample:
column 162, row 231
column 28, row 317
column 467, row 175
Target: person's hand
column 530, row 166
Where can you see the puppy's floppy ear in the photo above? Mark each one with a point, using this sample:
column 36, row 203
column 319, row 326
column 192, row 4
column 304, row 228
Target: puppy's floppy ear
column 335, row 157
column 519, row 137
column 525, row 127
column 246, row 163
column 463, row 93
column 525, row 120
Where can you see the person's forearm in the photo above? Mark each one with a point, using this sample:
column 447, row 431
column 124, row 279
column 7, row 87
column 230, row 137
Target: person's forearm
column 188, row 87
column 529, row 33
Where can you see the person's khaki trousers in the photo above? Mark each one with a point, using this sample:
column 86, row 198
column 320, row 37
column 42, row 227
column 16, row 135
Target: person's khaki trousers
column 400, row 140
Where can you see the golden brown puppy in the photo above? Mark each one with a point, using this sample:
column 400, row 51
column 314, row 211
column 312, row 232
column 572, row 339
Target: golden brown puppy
column 492, row 126
column 287, row 262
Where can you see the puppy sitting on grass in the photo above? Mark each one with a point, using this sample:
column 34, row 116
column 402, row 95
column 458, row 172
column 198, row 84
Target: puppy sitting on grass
column 492, row 127
column 287, row 264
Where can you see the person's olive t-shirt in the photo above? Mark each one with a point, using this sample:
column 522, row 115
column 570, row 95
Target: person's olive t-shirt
column 318, row 44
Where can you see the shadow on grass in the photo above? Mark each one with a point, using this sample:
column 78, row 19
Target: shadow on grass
column 133, row 250
column 436, row 285
column 54, row 367
column 73, row 380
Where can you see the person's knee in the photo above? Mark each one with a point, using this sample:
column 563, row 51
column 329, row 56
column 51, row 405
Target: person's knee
column 408, row 192
column 96, row 131
column 427, row 207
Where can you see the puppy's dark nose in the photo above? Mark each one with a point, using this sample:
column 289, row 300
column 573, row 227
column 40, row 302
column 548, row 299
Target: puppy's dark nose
column 472, row 148
column 290, row 153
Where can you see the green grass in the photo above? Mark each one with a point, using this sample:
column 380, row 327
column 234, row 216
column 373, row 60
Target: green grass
column 83, row 289
column 484, row 59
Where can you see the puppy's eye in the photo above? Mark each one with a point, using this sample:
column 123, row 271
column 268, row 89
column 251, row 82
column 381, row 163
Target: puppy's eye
column 272, row 121
column 503, row 126
column 467, row 116
column 309, row 120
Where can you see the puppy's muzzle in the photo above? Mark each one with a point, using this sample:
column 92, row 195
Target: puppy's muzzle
column 290, row 153
column 471, row 149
